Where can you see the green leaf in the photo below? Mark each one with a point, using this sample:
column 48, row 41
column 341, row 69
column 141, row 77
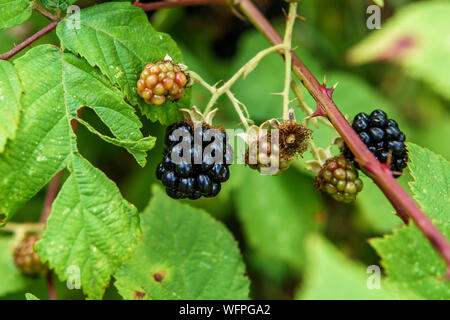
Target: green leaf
column 12, row 280
column 412, row 263
column 375, row 208
column 57, row 4
column 44, row 139
column 184, row 254
column 413, row 38
column 330, row 275
column 91, row 227
column 10, row 94
column 103, row 227
column 276, row 216
column 143, row 144
column 30, row 296
column 111, row 37
column 379, row 3
column 431, row 185
column 14, row 12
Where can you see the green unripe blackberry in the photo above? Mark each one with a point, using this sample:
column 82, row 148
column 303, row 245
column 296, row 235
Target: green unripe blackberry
column 26, row 258
column 339, row 179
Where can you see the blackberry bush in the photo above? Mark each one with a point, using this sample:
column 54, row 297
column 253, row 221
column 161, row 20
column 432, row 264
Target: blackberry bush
column 26, row 258
column 339, row 179
column 160, row 82
column 195, row 162
column 383, row 138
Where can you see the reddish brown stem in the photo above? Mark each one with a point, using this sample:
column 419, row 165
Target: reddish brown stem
column 180, row 3
column 28, row 41
column 382, row 176
column 51, row 287
column 44, row 12
column 52, row 191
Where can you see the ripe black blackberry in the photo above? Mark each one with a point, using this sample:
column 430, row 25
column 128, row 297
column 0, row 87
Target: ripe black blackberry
column 383, row 138
column 195, row 161
column 26, row 258
column 339, row 179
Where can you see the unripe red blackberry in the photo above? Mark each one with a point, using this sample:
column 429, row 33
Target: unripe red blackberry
column 26, row 258
column 161, row 81
column 339, row 179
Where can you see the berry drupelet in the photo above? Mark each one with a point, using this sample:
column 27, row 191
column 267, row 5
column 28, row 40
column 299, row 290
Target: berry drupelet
column 383, row 138
column 265, row 157
column 160, row 82
column 201, row 171
column 26, row 258
column 339, row 179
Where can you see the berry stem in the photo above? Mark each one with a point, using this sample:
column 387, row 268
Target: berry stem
column 50, row 196
column 287, row 41
column 196, row 77
column 23, row 227
column 178, row 3
column 28, row 41
column 402, row 202
column 243, row 71
column 51, row 287
column 52, row 191
column 44, row 12
column 236, row 103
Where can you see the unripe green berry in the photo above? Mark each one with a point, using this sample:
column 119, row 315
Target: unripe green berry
column 341, row 185
column 350, row 187
column 339, row 179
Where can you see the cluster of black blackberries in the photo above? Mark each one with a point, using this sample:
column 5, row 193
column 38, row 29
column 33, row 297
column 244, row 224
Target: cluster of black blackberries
column 383, row 138
column 195, row 161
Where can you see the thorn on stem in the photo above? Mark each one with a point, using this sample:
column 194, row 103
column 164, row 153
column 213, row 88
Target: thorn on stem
column 318, row 113
column 329, row 92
